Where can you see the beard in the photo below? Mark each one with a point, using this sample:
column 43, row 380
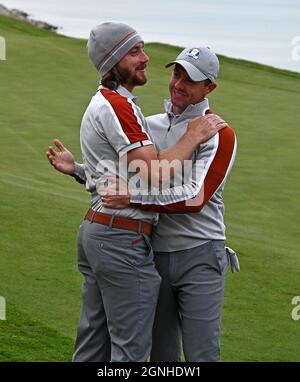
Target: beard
column 131, row 77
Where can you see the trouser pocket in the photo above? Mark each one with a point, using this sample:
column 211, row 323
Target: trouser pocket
column 221, row 256
column 143, row 240
column 148, row 244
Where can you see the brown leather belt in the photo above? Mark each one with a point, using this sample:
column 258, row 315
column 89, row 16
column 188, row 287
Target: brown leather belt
column 119, row 222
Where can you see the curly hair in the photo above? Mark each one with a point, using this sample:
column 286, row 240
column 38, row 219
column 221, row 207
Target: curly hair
column 112, row 79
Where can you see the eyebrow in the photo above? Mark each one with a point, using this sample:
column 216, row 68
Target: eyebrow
column 139, row 45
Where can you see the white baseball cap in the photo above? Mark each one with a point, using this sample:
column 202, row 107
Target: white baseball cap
column 199, row 63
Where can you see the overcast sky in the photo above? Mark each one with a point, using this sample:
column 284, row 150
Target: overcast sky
column 258, row 30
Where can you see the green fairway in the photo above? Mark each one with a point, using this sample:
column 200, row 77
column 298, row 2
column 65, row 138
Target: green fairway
column 46, row 83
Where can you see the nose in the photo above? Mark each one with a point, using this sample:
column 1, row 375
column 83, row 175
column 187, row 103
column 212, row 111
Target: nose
column 178, row 84
column 144, row 57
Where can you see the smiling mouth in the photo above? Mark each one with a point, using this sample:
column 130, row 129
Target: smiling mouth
column 178, row 94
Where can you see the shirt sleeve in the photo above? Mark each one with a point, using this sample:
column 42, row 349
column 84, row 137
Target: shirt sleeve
column 79, row 173
column 123, row 123
column 83, row 177
column 214, row 161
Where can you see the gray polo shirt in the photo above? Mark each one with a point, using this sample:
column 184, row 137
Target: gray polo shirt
column 182, row 225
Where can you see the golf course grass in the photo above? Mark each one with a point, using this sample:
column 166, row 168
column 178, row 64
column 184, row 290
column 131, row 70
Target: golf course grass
column 46, row 83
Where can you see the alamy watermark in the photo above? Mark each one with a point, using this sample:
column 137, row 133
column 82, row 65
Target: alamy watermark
column 162, row 180
column 2, row 49
column 296, row 311
column 2, row 308
column 295, row 53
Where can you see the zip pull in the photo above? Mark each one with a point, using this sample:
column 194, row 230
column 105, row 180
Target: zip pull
column 206, row 111
column 171, row 117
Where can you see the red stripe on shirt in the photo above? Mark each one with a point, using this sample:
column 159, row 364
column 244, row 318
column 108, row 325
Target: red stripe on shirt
column 125, row 114
column 214, row 177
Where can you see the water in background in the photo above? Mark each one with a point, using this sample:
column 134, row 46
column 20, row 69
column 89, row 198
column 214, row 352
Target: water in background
column 257, row 30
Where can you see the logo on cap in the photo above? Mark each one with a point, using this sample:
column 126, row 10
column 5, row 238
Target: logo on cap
column 194, row 53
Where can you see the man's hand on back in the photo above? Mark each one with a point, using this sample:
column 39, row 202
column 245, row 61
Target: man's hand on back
column 114, row 193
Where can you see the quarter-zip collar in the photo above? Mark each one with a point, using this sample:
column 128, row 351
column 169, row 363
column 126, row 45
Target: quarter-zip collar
column 191, row 111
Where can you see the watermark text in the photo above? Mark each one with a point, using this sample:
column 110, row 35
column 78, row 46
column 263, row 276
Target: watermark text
column 2, row 308
column 2, row 49
column 296, row 311
column 160, row 181
column 295, row 53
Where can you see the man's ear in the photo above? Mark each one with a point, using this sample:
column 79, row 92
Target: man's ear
column 210, row 87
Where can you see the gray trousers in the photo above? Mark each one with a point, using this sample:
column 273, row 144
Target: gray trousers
column 190, row 303
column 119, row 295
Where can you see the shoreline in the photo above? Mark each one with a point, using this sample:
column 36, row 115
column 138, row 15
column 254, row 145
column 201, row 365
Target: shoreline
column 23, row 16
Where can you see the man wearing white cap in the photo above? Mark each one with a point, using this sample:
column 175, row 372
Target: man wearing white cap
column 188, row 241
column 115, row 255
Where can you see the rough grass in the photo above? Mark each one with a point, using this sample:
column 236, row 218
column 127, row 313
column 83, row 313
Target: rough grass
column 46, row 83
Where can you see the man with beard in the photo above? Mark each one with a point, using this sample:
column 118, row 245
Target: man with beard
column 115, row 256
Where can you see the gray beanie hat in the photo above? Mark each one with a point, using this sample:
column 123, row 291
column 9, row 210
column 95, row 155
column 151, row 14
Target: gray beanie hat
column 109, row 43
